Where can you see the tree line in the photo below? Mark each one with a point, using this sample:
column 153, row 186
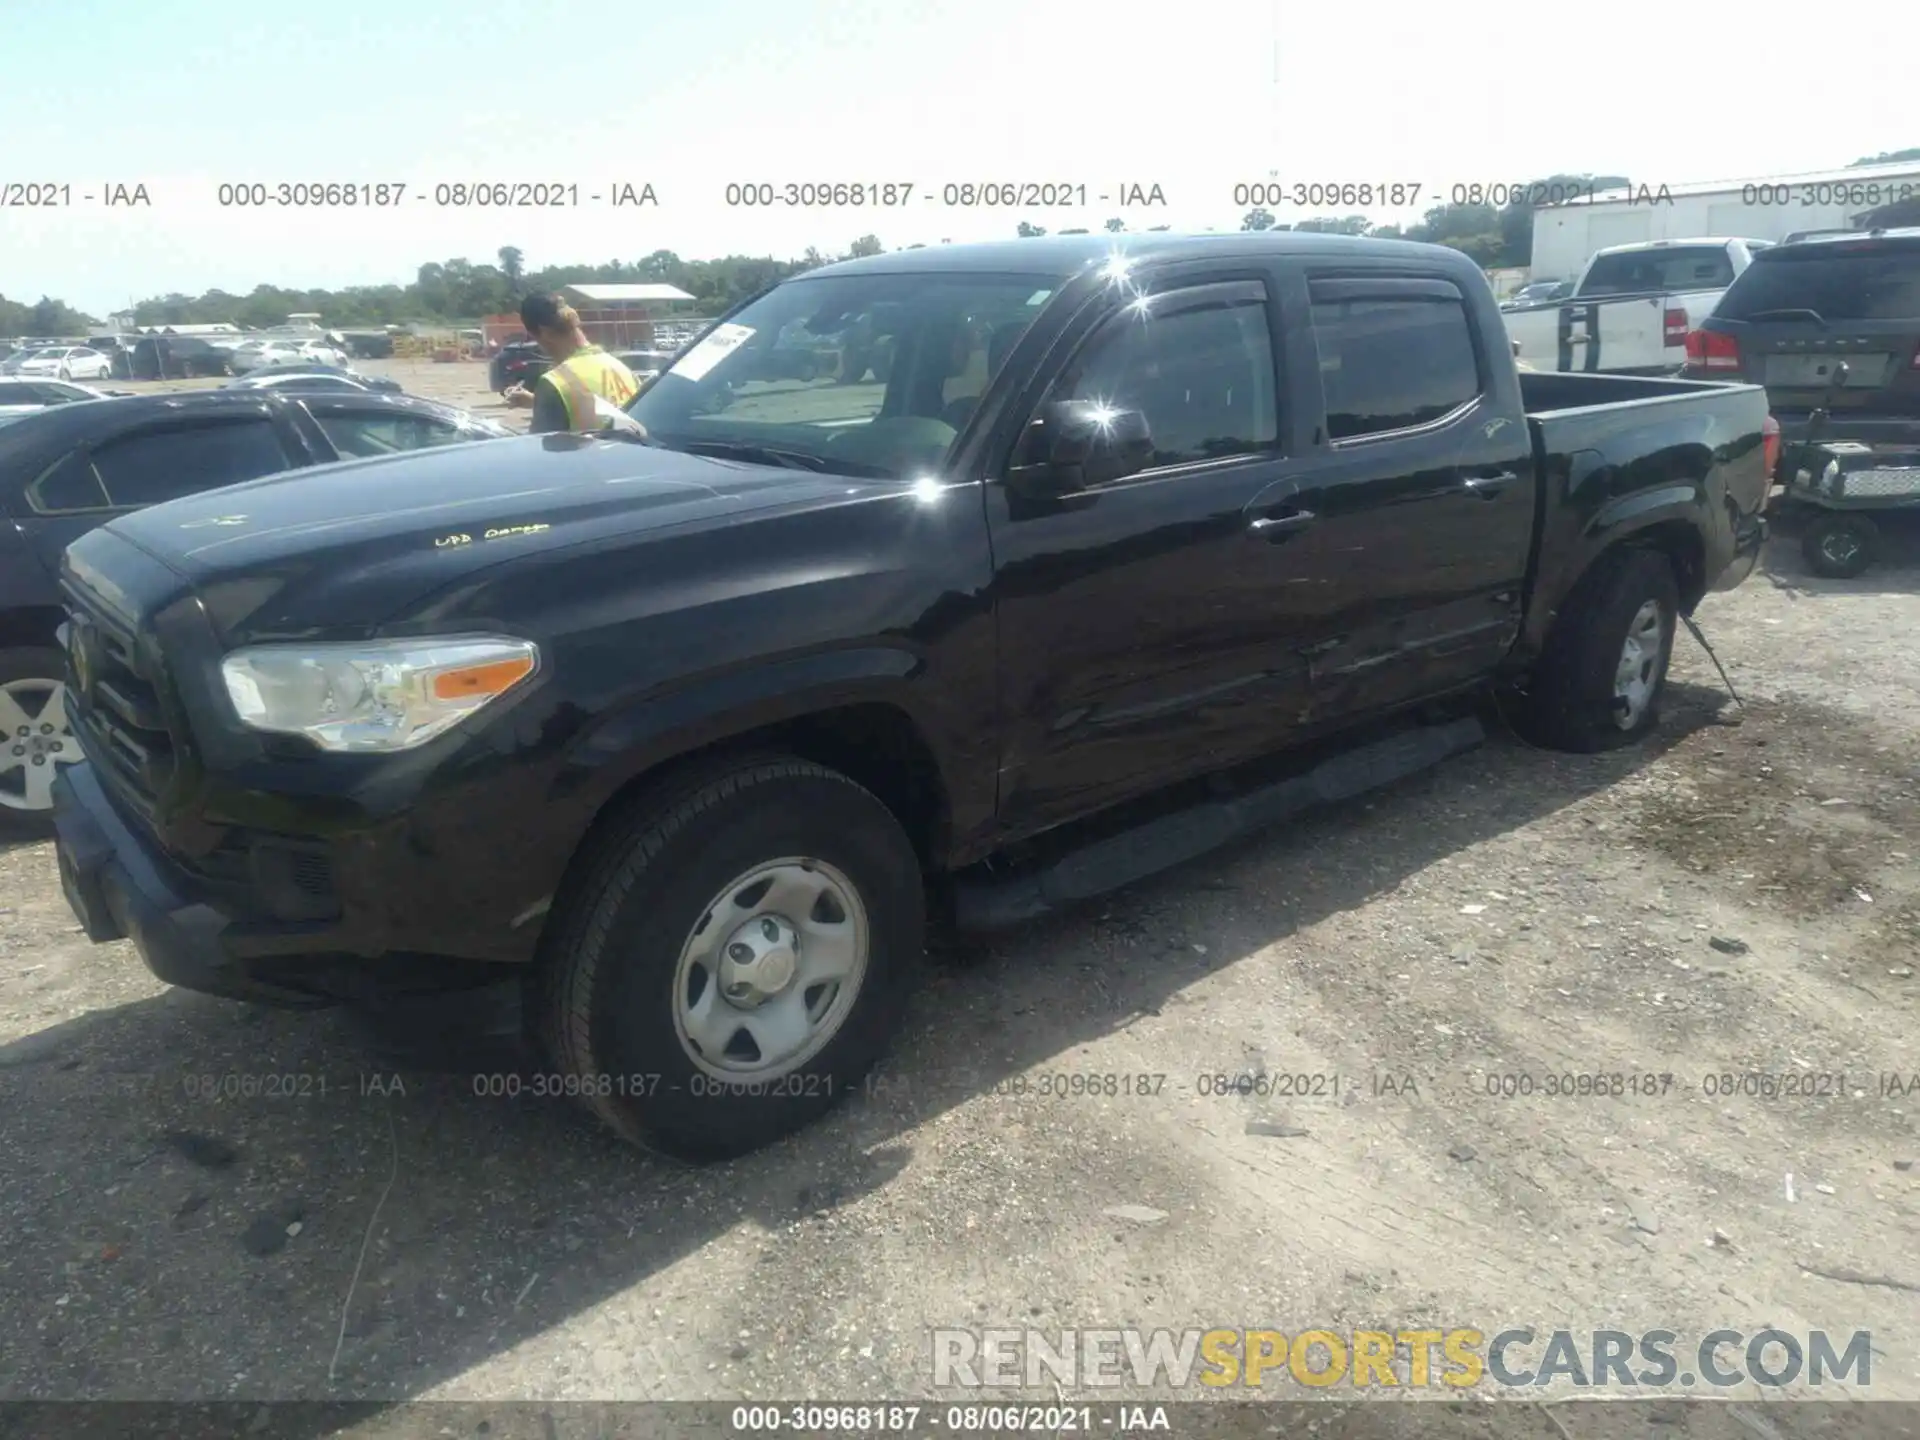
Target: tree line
column 458, row 290
column 446, row 291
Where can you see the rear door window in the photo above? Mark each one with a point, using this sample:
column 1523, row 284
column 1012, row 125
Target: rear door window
column 67, row 487
column 1837, row 282
column 149, row 467
column 366, row 434
column 1393, row 361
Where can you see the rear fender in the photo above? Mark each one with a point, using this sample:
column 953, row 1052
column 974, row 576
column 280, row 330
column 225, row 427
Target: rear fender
column 1659, row 516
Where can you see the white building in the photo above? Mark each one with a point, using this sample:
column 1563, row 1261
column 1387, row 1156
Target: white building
column 1767, row 208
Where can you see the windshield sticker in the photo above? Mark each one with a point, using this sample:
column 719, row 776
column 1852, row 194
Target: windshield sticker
column 1039, row 297
column 724, row 340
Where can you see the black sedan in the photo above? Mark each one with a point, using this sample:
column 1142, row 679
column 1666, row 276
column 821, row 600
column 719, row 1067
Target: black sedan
column 520, row 363
column 68, row 468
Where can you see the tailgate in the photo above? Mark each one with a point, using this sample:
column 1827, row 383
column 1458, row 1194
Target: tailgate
column 1616, row 335
column 1799, row 362
column 1801, row 312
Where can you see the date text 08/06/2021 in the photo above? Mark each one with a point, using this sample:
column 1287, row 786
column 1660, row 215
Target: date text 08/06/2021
column 1626, row 1086
column 971, row 1419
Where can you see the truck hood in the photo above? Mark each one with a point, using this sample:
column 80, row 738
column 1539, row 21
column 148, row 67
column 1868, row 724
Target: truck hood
column 345, row 547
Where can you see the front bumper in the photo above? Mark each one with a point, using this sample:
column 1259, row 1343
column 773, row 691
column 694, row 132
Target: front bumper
column 121, row 888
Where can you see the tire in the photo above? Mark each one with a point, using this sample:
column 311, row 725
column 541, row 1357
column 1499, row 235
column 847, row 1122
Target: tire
column 1839, row 547
column 616, row 989
column 65, row 373
column 25, row 677
column 1586, row 695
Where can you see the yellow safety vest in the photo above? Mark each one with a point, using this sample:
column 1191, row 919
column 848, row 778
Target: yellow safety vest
column 583, row 375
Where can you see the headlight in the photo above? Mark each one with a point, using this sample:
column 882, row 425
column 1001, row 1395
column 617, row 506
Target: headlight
column 384, row 696
column 1830, row 477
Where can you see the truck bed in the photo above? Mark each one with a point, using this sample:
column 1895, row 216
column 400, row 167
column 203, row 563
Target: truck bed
column 1547, row 392
column 1613, row 451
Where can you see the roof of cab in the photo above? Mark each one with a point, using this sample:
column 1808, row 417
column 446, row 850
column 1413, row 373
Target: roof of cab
column 1853, row 237
column 1721, row 241
column 1066, row 255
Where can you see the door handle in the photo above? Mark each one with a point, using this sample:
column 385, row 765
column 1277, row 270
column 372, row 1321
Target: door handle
column 1278, row 527
column 1487, row 487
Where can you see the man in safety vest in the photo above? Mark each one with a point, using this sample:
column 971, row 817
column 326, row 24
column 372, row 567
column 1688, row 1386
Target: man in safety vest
column 569, row 396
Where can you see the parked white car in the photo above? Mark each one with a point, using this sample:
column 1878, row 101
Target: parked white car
column 322, row 352
column 67, row 362
column 27, row 395
column 256, row 354
column 1633, row 307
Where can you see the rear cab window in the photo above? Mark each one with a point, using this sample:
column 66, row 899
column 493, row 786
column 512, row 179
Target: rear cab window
column 1662, row 271
column 1396, row 353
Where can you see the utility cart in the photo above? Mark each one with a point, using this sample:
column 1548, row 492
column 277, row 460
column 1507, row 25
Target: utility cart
column 1845, row 494
column 1841, row 495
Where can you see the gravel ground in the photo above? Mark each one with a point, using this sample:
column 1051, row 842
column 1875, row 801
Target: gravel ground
column 461, row 383
column 1738, row 895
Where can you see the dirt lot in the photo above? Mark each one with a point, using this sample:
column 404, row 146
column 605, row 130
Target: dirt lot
column 461, row 383
column 1737, row 897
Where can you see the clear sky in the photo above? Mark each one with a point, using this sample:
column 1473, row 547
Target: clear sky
column 182, row 95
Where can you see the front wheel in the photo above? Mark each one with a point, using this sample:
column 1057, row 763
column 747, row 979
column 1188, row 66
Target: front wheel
column 66, row 372
column 734, row 958
column 1839, row 546
column 36, row 737
column 1600, row 682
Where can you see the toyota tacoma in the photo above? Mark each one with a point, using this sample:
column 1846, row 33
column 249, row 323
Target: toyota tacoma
column 682, row 733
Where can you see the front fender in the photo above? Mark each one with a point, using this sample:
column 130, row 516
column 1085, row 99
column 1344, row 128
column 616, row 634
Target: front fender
column 708, row 710
column 633, row 739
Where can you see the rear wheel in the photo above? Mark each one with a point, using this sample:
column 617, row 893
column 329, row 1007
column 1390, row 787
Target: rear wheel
column 734, row 958
column 36, row 737
column 1840, row 546
column 1599, row 685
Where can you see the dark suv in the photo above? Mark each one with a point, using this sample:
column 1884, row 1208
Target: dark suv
column 519, row 363
column 1790, row 322
column 70, row 468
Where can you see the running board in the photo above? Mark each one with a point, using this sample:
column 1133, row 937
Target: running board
column 1106, row 865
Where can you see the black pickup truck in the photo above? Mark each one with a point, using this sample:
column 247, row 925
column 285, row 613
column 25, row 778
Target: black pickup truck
column 682, row 736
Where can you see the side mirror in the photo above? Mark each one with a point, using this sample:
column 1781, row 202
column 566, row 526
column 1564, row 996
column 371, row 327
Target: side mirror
column 1073, row 444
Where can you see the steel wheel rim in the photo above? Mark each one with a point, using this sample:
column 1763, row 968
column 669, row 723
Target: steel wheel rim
column 1639, row 666
column 771, row 970
column 36, row 740
column 1840, row 546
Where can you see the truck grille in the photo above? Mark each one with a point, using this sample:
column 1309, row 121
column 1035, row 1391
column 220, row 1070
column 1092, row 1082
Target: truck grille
column 116, row 704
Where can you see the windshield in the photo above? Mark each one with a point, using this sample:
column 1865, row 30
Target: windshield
column 1836, row 282
column 857, row 374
